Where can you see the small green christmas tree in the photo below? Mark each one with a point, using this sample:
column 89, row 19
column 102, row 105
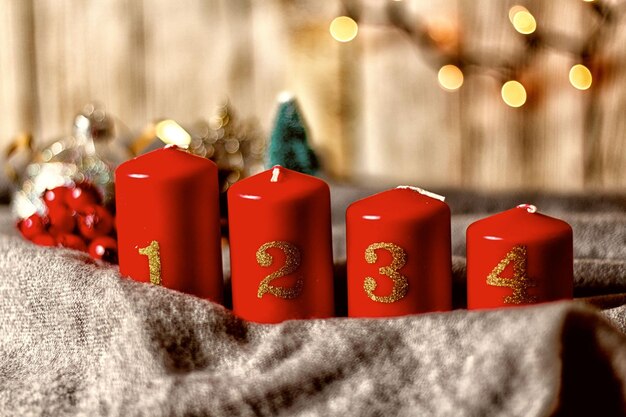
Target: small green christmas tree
column 288, row 142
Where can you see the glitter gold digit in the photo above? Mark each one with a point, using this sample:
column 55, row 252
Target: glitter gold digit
column 152, row 251
column 519, row 283
column 400, row 283
column 292, row 263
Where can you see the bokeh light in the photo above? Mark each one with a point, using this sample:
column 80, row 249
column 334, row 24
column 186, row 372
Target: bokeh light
column 580, row 77
column 343, row 29
column 514, row 10
column 172, row 133
column 514, row 93
column 524, row 22
column 445, row 34
column 450, row 77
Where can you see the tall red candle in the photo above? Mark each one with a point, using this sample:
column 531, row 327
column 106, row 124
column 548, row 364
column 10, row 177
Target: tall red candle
column 280, row 243
column 398, row 250
column 518, row 257
column 168, row 222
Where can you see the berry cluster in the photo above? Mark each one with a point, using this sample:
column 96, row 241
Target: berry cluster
column 75, row 219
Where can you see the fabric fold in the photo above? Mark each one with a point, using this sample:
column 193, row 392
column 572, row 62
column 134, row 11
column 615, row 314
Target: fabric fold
column 77, row 339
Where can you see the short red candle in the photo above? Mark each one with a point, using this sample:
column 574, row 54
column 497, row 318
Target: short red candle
column 398, row 254
column 518, row 257
column 168, row 223
column 281, row 248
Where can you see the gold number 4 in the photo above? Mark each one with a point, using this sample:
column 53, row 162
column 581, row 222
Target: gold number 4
column 520, row 281
column 400, row 283
column 292, row 263
column 153, row 253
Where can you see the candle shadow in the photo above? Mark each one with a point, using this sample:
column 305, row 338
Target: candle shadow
column 341, row 289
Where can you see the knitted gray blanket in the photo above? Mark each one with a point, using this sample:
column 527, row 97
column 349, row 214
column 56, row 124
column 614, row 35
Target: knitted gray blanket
column 76, row 339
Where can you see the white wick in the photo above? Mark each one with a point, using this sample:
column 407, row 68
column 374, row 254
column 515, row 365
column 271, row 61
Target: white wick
column 422, row 191
column 529, row 208
column 275, row 174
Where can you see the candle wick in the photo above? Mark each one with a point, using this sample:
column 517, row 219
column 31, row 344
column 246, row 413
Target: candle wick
column 422, row 191
column 529, row 207
column 275, row 174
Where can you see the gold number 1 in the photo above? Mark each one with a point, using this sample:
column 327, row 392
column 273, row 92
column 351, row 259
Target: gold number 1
column 154, row 261
column 400, row 283
column 520, row 281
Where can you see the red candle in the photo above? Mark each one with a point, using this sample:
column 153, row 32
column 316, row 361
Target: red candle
column 518, row 257
column 398, row 250
column 280, row 243
column 168, row 222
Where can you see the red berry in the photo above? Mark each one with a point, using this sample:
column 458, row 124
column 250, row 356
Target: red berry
column 71, row 241
column 83, row 195
column 61, row 220
column 32, row 226
column 95, row 221
column 104, row 248
column 44, row 239
column 56, row 196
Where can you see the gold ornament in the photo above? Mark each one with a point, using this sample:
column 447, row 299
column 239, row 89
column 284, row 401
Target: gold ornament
column 236, row 146
column 89, row 154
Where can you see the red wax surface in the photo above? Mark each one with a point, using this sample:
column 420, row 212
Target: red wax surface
column 171, row 197
column 420, row 226
column 296, row 210
column 549, row 260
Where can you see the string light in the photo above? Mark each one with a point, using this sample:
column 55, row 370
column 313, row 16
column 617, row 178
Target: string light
column 343, row 29
column 580, row 77
column 441, row 39
column 524, row 22
column 450, row 77
column 514, row 93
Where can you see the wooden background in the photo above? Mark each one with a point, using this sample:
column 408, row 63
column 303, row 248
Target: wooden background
column 374, row 107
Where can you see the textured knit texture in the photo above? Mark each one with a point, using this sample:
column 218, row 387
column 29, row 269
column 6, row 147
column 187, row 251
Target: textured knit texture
column 77, row 339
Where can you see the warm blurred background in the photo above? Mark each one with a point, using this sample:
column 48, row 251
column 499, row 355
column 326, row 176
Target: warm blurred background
column 379, row 107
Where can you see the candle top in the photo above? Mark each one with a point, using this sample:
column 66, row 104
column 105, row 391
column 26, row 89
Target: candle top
column 522, row 222
column 401, row 202
column 277, row 183
column 168, row 162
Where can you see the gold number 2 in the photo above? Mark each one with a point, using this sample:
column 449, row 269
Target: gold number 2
column 292, row 263
column 154, row 261
column 520, row 281
column 400, row 283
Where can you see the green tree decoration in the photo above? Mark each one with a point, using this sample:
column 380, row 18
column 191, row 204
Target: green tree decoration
column 288, row 145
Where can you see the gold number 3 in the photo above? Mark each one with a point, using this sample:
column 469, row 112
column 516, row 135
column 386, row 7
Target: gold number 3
column 520, row 281
column 400, row 283
column 153, row 253
column 292, row 263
